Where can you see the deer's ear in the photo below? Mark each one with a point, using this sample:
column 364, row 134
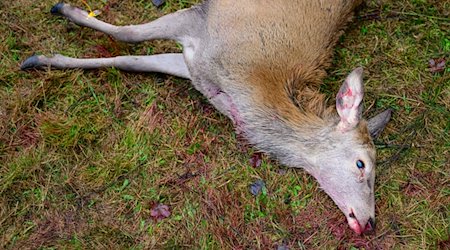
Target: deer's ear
column 377, row 123
column 349, row 100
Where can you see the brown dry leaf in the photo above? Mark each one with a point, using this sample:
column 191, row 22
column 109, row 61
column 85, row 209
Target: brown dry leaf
column 159, row 212
column 436, row 65
column 256, row 160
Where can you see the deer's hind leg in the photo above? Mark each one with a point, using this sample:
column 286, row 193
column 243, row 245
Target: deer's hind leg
column 180, row 26
column 172, row 64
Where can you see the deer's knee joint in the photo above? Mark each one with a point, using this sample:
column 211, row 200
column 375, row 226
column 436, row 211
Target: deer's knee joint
column 126, row 34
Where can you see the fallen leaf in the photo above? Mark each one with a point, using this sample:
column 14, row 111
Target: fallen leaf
column 444, row 244
column 159, row 212
column 256, row 187
column 436, row 65
column 158, row 3
column 283, row 246
column 256, row 160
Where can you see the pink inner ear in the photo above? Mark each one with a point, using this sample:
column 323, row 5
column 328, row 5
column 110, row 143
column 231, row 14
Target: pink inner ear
column 348, row 93
column 349, row 100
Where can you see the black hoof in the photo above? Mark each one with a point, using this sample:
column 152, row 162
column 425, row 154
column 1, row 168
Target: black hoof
column 31, row 62
column 56, row 9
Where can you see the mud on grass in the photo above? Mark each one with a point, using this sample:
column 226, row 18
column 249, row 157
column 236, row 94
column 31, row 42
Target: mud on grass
column 86, row 155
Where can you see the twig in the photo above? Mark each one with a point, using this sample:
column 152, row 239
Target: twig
column 413, row 14
column 378, row 15
column 387, row 145
column 406, row 142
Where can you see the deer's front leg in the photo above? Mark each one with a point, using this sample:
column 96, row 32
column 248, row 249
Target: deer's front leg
column 180, row 26
column 172, row 64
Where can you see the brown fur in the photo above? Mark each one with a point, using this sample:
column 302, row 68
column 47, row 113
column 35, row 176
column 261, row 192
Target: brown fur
column 364, row 135
column 291, row 64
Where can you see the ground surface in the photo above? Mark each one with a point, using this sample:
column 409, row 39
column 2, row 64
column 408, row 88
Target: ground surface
column 88, row 159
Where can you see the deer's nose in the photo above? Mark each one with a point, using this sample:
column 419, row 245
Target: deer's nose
column 370, row 226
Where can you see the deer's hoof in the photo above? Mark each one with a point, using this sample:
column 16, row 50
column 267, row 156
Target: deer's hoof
column 31, row 62
column 56, row 9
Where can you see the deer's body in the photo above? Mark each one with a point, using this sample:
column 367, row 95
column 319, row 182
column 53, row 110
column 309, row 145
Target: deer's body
column 260, row 63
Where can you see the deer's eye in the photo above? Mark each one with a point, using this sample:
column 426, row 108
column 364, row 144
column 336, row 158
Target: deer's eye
column 360, row 164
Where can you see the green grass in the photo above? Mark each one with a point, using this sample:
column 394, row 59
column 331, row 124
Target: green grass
column 86, row 154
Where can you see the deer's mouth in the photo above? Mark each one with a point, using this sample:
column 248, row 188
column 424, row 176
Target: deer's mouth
column 356, row 226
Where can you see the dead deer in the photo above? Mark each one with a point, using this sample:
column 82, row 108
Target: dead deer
column 260, row 63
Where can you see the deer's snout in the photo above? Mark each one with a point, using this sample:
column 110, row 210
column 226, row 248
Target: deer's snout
column 357, row 227
column 370, row 226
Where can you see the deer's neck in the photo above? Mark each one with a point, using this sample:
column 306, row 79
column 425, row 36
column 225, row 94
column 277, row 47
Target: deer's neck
column 295, row 143
column 284, row 114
